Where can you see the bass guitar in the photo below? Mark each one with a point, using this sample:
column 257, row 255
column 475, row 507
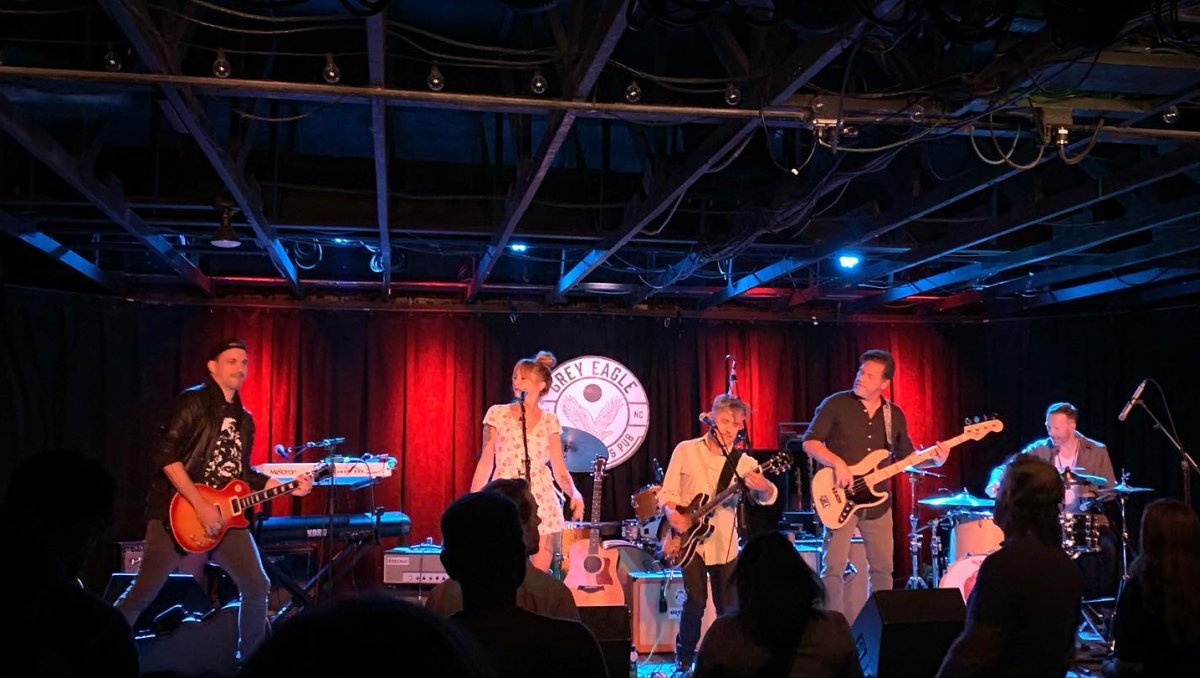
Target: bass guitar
column 835, row 505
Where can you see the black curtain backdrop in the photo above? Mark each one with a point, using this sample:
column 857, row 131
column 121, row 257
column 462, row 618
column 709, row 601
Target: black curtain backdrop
column 99, row 374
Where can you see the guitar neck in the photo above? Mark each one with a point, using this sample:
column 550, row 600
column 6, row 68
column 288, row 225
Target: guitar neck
column 256, row 498
column 594, row 533
column 919, row 457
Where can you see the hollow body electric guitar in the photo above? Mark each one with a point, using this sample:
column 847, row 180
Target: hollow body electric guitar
column 592, row 578
column 231, row 503
column 835, row 505
column 676, row 549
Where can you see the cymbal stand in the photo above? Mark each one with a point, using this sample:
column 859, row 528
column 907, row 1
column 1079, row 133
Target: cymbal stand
column 935, row 550
column 915, row 581
column 1121, row 497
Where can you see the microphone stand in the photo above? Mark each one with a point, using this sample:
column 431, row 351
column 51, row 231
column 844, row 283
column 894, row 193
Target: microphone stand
column 1186, row 463
column 525, row 440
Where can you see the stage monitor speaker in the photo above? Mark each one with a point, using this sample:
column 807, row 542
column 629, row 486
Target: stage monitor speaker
column 905, row 634
column 180, row 589
column 196, row 648
column 656, row 600
column 610, row 625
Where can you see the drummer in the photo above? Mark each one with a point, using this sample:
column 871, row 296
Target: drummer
column 1067, row 448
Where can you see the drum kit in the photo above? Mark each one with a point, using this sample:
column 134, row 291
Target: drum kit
column 580, row 449
column 973, row 533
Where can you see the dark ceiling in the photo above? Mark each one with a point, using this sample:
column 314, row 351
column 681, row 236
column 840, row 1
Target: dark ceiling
column 981, row 159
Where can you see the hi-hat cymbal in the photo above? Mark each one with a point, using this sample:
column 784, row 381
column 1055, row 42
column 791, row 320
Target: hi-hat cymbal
column 1076, row 476
column 1122, row 488
column 587, row 525
column 580, row 450
column 962, row 499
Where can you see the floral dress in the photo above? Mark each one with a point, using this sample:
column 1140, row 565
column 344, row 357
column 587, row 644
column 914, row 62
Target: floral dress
column 510, row 459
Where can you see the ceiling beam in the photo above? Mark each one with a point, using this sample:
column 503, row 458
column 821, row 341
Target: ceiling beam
column 36, row 239
column 1165, row 292
column 1139, row 176
column 609, row 27
column 130, row 16
column 1173, row 243
column 377, row 73
column 797, row 70
column 106, row 198
column 1096, row 288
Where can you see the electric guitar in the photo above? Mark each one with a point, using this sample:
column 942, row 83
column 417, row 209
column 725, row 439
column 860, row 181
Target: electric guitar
column 835, row 504
column 592, row 577
column 231, row 503
column 676, row 549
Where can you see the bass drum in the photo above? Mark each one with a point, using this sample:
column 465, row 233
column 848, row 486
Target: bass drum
column 961, row 575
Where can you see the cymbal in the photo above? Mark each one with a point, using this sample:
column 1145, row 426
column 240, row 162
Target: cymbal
column 580, row 450
column 1076, row 476
column 962, row 499
column 1122, row 488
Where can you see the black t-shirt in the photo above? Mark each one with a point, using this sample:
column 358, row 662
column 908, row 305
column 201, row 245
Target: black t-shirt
column 1022, row 615
column 225, row 460
column 842, row 423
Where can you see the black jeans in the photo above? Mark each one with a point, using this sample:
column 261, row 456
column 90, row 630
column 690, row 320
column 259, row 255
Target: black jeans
column 695, row 582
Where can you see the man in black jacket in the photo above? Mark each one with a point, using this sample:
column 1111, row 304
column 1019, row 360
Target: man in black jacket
column 207, row 441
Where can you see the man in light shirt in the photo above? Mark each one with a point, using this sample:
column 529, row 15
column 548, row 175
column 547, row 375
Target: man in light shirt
column 700, row 465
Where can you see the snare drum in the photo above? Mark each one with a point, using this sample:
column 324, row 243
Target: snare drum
column 961, row 575
column 1080, row 532
column 645, row 502
column 975, row 534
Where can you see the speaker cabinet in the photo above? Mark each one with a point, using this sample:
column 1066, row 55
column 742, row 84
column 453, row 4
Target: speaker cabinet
column 180, row 589
column 610, row 625
column 905, row 634
column 656, row 599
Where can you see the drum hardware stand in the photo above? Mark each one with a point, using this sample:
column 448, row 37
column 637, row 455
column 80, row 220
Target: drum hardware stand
column 915, row 581
column 935, row 550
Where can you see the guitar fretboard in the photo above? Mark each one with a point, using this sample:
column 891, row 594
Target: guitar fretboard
column 919, row 457
column 594, row 533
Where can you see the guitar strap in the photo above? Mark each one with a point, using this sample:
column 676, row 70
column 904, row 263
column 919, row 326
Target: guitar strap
column 735, row 455
column 887, row 426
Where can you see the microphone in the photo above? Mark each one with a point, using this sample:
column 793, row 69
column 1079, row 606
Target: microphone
column 1132, row 401
column 333, row 441
column 282, row 451
column 705, row 419
column 522, row 397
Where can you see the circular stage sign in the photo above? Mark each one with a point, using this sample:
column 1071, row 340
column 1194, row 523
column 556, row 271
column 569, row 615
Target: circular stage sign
column 601, row 397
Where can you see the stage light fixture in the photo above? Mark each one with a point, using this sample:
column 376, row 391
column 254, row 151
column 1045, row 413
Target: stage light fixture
column 916, row 113
column 848, row 261
column 538, row 83
column 1171, row 115
column 518, row 247
column 226, row 237
column 435, row 80
column 331, row 73
column 112, row 60
column 633, row 92
column 221, row 67
column 733, row 95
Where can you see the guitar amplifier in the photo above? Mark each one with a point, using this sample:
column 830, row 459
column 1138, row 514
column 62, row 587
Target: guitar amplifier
column 855, row 577
column 657, row 600
column 419, row 565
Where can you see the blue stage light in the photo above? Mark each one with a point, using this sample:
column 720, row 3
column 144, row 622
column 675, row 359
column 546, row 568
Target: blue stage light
column 518, row 247
column 848, row 261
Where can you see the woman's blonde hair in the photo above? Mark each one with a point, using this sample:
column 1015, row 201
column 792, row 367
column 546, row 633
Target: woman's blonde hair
column 539, row 366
